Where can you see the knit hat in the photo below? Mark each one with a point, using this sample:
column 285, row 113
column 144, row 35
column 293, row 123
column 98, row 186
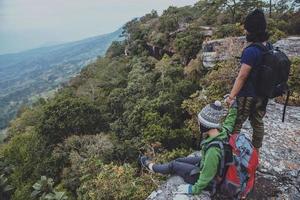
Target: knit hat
column 255, row 22
column 210, row 116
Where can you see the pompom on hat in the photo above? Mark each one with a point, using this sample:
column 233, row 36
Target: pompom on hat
column 255, row 22
column 211, row 115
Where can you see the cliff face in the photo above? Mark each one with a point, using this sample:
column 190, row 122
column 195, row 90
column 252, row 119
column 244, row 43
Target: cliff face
column 222, row 49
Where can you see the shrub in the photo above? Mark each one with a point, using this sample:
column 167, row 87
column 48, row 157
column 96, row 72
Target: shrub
column 194, row 71
column 188, row 44
column 63, row 117
column 26, row 120
column 117, row 182
column 117, row 48
column 229, row 30
column 277, row 29
column 294, row 24
column 219, row 81
column 75, row 152
column 294, row 79
column 43, row 190
column 29, row 158
column 294, row 83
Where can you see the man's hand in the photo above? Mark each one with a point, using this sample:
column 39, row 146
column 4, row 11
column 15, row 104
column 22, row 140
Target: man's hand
column 184, row 189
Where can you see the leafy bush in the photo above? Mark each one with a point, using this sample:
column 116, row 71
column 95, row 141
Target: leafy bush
column 117, row 182
column 30, row 158
column 63, row 117
column 294, row 83
column 276, row 29
column 219, row 81
column 117, row 48
column 28, row 118
column 294, row 24
column 229, row 30
column 294, row 79
column 43, row 190
column 188, row 44
column 75, row 152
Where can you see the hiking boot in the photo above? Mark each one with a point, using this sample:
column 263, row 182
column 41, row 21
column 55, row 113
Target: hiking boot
column 144, row 161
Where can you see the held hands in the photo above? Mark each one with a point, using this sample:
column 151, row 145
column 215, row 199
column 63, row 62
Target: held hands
column 184, row 189
column 230, row 101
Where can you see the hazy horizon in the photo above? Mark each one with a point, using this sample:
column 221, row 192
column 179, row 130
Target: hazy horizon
column 28, row 24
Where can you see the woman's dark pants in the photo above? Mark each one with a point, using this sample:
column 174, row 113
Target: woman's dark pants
column 181, row 167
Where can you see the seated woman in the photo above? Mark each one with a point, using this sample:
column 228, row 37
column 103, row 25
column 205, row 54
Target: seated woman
column 200, row 172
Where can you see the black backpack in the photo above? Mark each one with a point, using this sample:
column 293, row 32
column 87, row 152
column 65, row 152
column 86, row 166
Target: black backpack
column 273, row 73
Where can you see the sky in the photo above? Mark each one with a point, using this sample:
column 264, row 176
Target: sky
column 27, row 24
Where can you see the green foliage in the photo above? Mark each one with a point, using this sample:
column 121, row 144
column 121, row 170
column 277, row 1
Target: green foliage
column 174, row 18
column 294, row 24
column 294, row 79
column 218, row 82
column 159, row 39
column 152, row 103
column 116, row 182
column 65, row 116
column 43, row 190
column 89, row 135
column 229, row 30
column 76, row 152
column 226, row 11
column 117, row 48
column 30, row 158
column 276, row 29
column 294, row 83
column 188, row 44
column 27, row 120
column 195, row 70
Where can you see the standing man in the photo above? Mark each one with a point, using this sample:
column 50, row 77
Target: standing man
column 250, row 105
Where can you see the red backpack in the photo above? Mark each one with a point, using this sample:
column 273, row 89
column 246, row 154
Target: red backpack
column 239, row 161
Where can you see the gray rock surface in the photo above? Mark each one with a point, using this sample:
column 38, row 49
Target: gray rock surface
column 221, row 49
column 278, row 176
column 290, row 46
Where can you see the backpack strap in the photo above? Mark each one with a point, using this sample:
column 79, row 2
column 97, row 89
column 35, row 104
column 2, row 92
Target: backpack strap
column 261, row 46
column 222, row 165
column 219, row 144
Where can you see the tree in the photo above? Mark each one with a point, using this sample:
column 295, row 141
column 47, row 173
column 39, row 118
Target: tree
column 117, row 48
column 67, row 116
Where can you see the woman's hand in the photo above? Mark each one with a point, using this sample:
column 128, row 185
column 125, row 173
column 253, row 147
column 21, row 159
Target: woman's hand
column 229, row 101
column 184, row 189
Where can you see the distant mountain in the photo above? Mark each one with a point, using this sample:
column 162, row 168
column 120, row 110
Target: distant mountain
column 30, row 73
